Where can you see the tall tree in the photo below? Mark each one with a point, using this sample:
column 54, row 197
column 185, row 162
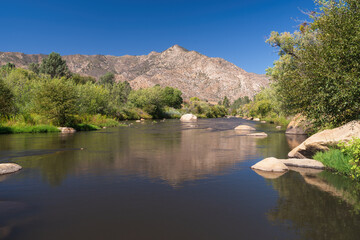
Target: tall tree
column 55, row 66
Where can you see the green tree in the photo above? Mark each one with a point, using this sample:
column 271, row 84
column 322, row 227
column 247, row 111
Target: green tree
column 107, row 78
column 119, row 93
column 92, row 99
column 318, row 72
column 172, row 97
column 56, row 99
column 35, row 67
column 6, row 100
column 54, row 66
column 226, row 102
column 148, row 99
column 79, row 79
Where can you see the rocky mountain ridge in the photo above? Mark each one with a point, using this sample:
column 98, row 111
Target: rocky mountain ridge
column 191, row 72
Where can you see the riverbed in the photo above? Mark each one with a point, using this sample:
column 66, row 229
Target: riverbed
column 168, row 180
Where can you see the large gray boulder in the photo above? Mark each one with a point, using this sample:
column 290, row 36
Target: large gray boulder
column 6, row 168
column 298, row 126
column 188, row 118
column 270, row 165
column 323, row 140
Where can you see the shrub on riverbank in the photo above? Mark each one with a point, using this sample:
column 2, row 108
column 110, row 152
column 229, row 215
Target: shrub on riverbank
column 345, row 160
column 21, row 128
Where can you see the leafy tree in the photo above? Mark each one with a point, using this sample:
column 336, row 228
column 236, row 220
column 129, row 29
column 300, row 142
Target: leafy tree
column 6, row 100
column 92, row 99
column 149, row 99
column 54, row 66
column 119, row 93
column 226, row 102
column 172, row 97
column 318, row 72
column 35, row 67
column 56, row 99
column 107, row 78
column 78, row 79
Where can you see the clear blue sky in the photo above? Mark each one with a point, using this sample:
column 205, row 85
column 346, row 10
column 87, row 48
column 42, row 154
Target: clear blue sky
column 233, row 30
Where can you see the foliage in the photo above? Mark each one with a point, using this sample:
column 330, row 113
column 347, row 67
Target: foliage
column 28, row 129
column 172, row 97
column 226, row 102
column 79, row 79
column 150, row 100
column 107, row 78
column 239, row 102
column 335, row 159
column 352, row 149
column 92, row 99
column 318, row 72
column 119, row 93
column 54, row 66
column 56, row 99
column 34, row 67
column 7, row 103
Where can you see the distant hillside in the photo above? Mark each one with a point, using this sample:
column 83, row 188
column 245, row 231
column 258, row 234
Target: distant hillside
column 191, row 72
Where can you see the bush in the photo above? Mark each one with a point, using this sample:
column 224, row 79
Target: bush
column 107, row 78
column 352, row 150
column 7, row 105
column 57, row 99
column 92, row 99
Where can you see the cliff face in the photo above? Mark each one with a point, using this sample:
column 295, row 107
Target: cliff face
column 191, row 72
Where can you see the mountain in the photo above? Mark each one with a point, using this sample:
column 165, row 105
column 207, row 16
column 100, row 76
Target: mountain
column 191, row 72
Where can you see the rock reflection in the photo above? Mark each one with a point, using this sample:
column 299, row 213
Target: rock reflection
column 295, row 140
column 307, row 207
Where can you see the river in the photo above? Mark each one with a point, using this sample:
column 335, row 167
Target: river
column 168, row 180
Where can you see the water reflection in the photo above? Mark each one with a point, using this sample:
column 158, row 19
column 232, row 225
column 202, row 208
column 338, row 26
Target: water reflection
column 172, row 152
column 315, row 212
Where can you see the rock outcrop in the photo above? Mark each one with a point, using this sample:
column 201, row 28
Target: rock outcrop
column 323, row 140
column 188, row 118
column 298, row 126
column 6, row 168
column 303, row 163
column 196, row 75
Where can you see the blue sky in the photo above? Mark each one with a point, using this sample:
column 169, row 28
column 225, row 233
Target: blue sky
column 233, row 30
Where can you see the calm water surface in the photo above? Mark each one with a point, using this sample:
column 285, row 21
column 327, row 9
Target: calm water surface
column 168, row 180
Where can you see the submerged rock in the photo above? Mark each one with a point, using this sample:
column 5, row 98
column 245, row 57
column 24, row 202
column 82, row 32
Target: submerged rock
column 67, row 130
column 256, row 119
column 188, row 118
column 323, row 140
column 278, row 127
column 258, row 134
column 245, row 128
column 270, row 165
column 6, row 168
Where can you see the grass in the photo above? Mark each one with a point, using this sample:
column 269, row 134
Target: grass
column 21, row 128
column 335, row 160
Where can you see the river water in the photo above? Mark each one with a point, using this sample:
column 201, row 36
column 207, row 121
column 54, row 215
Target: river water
column 168, row 180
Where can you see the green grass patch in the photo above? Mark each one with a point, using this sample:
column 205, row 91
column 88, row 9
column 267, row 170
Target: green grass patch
column 335, row 160
column 28, row 129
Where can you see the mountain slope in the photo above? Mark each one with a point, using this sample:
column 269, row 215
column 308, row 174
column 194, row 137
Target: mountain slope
column 191, row 72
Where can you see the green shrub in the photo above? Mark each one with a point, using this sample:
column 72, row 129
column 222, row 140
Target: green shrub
column 7, row 103
column 352, row 150
column 57, row 99
column 335, row 159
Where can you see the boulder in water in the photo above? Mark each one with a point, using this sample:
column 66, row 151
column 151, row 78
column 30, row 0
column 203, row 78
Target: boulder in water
column 188, row 118
column 6, row 168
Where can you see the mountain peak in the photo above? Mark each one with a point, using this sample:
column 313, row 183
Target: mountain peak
column 177, row 48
